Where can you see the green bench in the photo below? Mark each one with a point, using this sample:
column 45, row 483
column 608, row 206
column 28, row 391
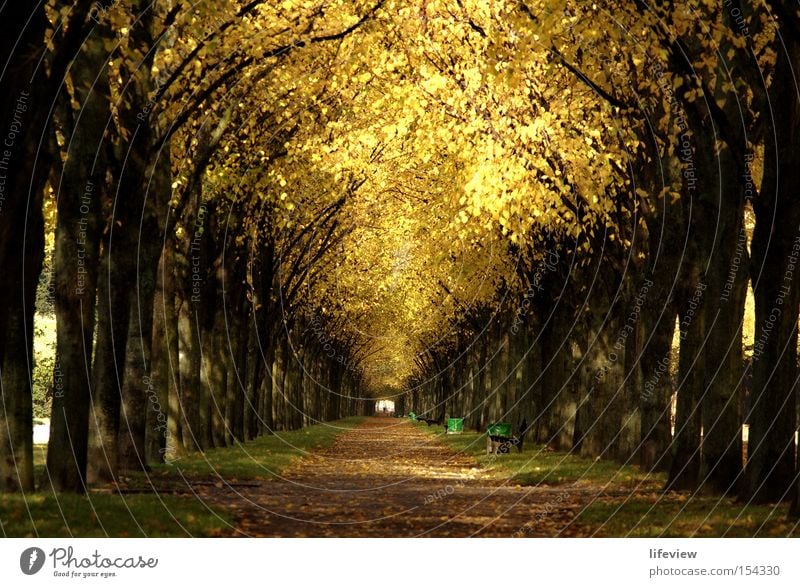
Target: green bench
column 455, row 426
column 499, row 439
column 499, row 429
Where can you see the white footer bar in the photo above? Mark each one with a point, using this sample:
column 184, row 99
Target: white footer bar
column 373, row 562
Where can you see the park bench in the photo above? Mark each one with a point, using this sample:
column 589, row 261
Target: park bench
column 499, row 438
column 454, row 426
column 429, row 421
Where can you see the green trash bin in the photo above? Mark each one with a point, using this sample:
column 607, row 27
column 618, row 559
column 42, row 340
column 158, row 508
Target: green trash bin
column 455, row 425
column 499, row 429
column 413, row 416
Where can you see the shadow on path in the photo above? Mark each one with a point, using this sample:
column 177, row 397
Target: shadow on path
column 388, row 478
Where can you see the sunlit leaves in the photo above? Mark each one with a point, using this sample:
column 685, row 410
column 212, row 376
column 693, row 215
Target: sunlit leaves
column 453, row 130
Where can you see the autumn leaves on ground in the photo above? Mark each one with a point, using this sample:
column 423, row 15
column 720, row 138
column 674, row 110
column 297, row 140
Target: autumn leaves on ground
column 387, row 477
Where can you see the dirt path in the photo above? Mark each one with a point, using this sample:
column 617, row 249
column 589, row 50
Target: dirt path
column 388, row 478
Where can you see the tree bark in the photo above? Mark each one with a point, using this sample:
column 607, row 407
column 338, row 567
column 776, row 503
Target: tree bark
column 685, row 466
column 656, row 390
column 25, row 100
column 161, row 381
column 278, row 375
column 77, row 238
column 138, row 395
column 113, row 315
column 771, row 468
column 175, row 430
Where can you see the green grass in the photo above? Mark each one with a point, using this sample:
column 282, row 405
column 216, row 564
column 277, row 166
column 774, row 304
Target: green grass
column 540, row 466
column 635, row 507
column 151, row 510
column 99, row 515
column 262, row 458
column 676, row 515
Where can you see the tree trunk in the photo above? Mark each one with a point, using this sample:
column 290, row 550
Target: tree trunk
column 16, row 418
column 175, row 431
column 190, row 394
column 656, row 392
column 253, row 381
column 724, row 369
column 557, row 410
column 630, row 434
column 113, row 315
column 685, row 465
column 237, row 375
column 189, row 366
column 266, row 421
column 216, row 359
column 128, row 211
column 771, row 468
column 161, row 383
column 25, row 101
column 278, row 375
column 76, row 265
column 192, row 270
column 138, row 395
column 659, row 312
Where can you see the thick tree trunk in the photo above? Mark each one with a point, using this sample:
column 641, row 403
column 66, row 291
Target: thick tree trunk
column 246, row 359
column 25, row 100
column 254, row 374
column 667, row 239
column 76, row 265
column 630, row 433
column 113, row 315
column 138, row 395
column 531, row 378
column 192, row 270
column 336, row 387
column 175, row 429
column 500, row 373
column 685, row 466
column 557, row 410
column 771, row 468
column 479, row 384
column 488, row 366
column 278, row 378
column 190, row 394
column 724, row 372
column 293, row 388
column 307, row 375
column 516, row 401
column 656, row 391
column 161, row 382
column 266, row 421
column 564, row 410
column 216, row 364
column 190, row 364
column 16, row 418
column 118, row 266
column 601, row 407
column 237, row 375
column 470, row 383
column 216, row 361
